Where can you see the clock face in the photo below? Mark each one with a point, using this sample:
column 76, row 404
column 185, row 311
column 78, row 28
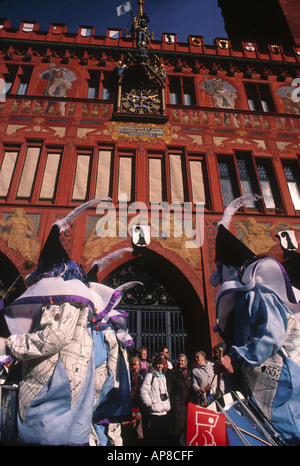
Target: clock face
column 141, row 101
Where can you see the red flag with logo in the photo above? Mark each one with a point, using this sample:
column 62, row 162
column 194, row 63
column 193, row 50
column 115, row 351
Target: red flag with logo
column 205, row 427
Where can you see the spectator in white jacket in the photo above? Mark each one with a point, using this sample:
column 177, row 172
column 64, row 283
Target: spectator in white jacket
column 154, row 394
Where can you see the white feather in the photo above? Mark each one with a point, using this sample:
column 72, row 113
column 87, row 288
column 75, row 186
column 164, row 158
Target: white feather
column 64, row 223
column 234, row 206
column 113, row 256
column 128, row 285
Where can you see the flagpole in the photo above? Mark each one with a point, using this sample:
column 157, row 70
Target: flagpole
column 220, row 357
column 8, row 290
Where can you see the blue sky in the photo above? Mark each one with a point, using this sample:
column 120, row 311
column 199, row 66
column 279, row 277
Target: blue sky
column 183, row 17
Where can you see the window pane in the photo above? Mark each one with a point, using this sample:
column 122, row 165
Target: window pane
column 295, row 194
column 155, row 180
column 259, row 97
column 265, row 106
column 50, row 175
column 266, row 98
column 174, row 98
column 188, row 100
column 93, row 84
column 267, row 194
column 6, row 171
column 245, row 180
column 266, row 187
column 81, row 178
column 107, row 93
column 24, row 80
column 224, row 169
column 188, row 91
column 226, row 183
column 227, row 191
column 28, row 174
column 104, row 174
column 291, row 172
column 107, row 87
column 197, row 181
column 125, row 178
column 175, row 90
column 176, row 177
column 253, row 97
column 251, row 105
column 92, row 93
column 22, row 88
column 247, row 189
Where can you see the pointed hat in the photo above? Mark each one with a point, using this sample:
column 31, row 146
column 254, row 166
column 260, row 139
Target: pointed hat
column 106, row 299
column 53, row 255
column 56, row 279
column 229, row 249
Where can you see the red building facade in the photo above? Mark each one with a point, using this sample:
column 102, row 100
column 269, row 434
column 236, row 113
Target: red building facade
column 167, row 130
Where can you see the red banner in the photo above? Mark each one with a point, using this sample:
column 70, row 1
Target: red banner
column 205, row 427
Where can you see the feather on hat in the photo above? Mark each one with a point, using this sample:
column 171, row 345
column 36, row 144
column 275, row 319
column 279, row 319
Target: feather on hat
column 57, row 278
column 106, row 299
column 100, row 264
column 53, row 257
column 229, row 249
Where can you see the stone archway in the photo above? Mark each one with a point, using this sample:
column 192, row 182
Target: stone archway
column 11, row 286
column 166, row 290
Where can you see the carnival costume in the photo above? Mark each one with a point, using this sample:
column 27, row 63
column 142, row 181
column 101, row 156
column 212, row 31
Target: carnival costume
column 256, row 313
column 53, row 335
column 111, row 341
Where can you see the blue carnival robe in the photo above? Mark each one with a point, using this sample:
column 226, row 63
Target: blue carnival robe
column 50, row 420
column 267, row 350
column 113, row 402
column 57, row 390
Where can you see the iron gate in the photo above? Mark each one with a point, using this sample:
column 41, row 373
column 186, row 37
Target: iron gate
column 155, row 319
column 157, row 326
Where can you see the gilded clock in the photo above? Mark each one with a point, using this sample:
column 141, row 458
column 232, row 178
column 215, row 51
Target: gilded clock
column 141, row 101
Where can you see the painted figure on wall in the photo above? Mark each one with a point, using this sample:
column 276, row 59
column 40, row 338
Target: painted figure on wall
column 223, row 93
column 256, row 236
column 59, row 80
column 290, row 103
column 20, row 235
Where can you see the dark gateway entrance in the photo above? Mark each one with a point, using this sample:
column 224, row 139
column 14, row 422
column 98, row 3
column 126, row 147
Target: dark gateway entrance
column 11, row 287
column 164, row 310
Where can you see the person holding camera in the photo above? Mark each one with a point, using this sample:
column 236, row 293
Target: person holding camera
column 204, row 380
column 155, row 396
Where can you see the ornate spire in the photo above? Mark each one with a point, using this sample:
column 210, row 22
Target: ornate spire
column 140, row 8
column 141, row 74
column 141, row 19
column 140, row 29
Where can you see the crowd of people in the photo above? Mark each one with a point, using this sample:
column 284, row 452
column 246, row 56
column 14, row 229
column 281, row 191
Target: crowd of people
column 72, row 343
column 65, row 346
column 160, row 394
